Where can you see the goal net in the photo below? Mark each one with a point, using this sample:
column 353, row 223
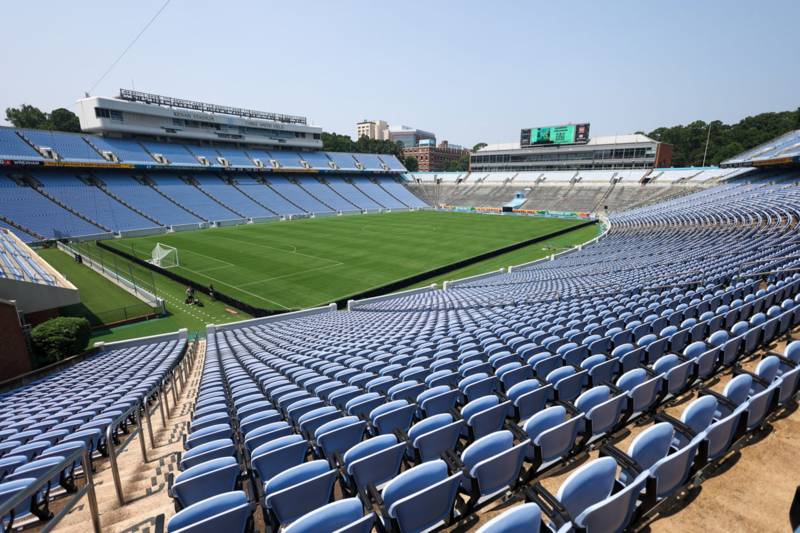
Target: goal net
column 164, row 256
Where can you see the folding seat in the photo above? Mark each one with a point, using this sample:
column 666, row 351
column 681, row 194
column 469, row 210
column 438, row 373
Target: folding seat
column 373, row 461
column 528, row 397
column 310, row 421
column 405, row 390
column 208, row 420
column 338, row 436
column 419, row 498
column 485, row 415
column 788, row 386
column 628, row 356
column 552, row 437
column 525, row 518
column 345, row 516
column 600, row 369
column 205, row 452
column 275, row 456
column 432, row 436
column 297, row 491
column 342, row 395
column 491, row 465
column 38, row 468
column 9, row 463
column 696, row 418
column 266, row 433
column 391, row 416
column 203, row 481
column 586, row 499
column 757, row 408
column 790, row 358
column 602, row 412
column 230, row 512
column 37, row 505
column 512, row 373
column 477, row 385
column 677, row 373
column 435, row 400
column 567, row 382
column 643, row 390
column 362, row 404
column 30, row 450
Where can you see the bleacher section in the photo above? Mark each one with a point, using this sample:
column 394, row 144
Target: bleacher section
column 184, row 194
column 429, row 406
column 13, row 147
column 326, row 194
column 343, row 161
column 176, row 154
column 91, row 201
column 231, row 197
column 377, row 193
column 266, row 196
column 784, row 149
column 127, row 151
column 69, row 146
column 33, row 211
column 297, row 196
column 400, row 192
column 352, row 194
column 147, row 199
column 20, row 263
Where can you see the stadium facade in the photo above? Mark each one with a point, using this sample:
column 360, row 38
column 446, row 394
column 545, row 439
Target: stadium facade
column 599, row 153
column 135, row 113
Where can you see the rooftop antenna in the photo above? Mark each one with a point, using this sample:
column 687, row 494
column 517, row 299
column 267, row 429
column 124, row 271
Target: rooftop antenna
column 708, row 137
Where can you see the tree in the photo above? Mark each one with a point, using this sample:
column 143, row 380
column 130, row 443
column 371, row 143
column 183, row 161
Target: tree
column 28, row 116
column 725, row 140
column 479, row 146
column 64, row 120
column 60, row 337
column 411, row 164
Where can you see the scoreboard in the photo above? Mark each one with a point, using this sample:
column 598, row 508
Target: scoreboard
column 565, row 134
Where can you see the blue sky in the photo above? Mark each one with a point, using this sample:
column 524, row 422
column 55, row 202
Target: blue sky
column 469, row 71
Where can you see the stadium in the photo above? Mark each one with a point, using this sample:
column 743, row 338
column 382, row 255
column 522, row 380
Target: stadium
column 213, row 321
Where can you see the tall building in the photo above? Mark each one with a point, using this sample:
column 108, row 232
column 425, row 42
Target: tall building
column 433, row 158
column 569, row 147
column 410, row 136
column 373, row 129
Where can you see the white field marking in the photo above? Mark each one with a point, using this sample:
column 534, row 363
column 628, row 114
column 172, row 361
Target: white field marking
column 187, row 251
column 287, row 275
column 259, row 245
column 236, row 287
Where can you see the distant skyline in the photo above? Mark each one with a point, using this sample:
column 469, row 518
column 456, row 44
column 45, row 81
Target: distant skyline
column 468, row 71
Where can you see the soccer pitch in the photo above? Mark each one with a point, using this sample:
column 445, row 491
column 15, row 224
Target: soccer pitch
column 307, row 262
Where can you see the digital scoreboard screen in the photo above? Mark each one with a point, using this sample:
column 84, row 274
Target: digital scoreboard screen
column 566, row 134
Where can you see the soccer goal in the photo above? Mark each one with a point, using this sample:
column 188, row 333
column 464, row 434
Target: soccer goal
column 164, row 256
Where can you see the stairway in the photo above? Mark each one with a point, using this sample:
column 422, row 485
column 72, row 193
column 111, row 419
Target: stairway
column 152, row 185
column 41, row 190
column 606, row 194
column 147, row 507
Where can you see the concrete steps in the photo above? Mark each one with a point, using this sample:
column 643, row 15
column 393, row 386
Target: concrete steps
column 147, row 507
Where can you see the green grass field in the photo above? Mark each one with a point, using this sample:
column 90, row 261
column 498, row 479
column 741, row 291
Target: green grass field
column 303, row 263
column 101, row 301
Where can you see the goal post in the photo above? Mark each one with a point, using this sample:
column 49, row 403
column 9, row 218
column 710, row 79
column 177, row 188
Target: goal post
column 164, row 256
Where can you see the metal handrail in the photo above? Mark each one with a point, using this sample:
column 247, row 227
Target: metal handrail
column 87, row 489
column 112, row 452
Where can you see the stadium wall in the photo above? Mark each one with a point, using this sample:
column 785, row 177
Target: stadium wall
column 16, row 360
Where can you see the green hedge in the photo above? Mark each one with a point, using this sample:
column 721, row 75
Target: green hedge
column 59, row 338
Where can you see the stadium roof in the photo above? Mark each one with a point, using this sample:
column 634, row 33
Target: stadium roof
column 600, row 140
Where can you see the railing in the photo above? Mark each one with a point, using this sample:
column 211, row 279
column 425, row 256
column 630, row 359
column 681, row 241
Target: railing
column 87, row 489
column 178, row 374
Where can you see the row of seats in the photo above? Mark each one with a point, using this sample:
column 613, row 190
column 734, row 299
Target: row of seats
column 20, row 263
column 282, row 419
column 47, row 419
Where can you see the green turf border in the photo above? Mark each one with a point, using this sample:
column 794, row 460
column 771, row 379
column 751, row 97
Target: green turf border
column 341, row 303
